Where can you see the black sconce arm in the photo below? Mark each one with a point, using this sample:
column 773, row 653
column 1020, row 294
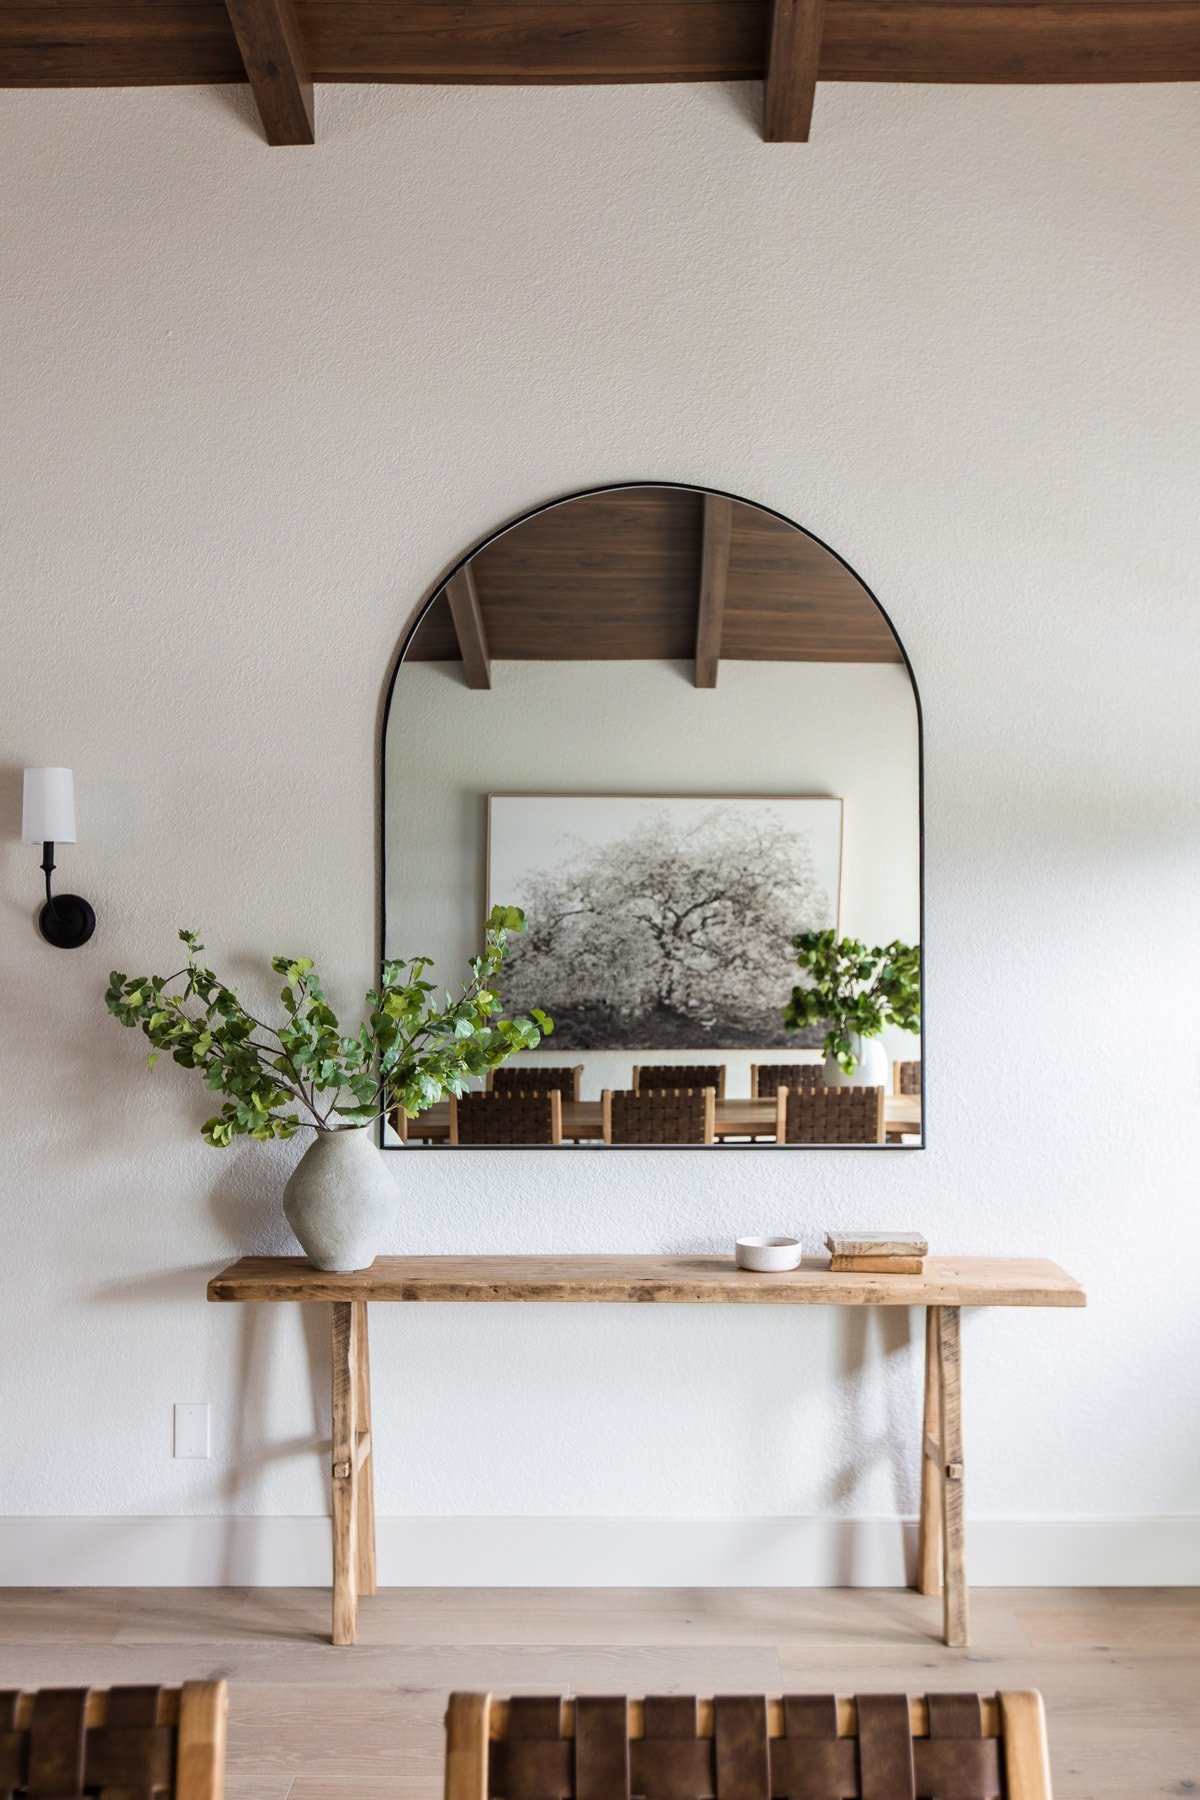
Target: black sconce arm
column 48, row 866
column 66, row 921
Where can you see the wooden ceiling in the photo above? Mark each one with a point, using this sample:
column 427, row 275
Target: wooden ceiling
column 653, row 574
column 283, row 46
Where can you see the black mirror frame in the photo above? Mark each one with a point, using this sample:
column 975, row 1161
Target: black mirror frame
column 431, row 595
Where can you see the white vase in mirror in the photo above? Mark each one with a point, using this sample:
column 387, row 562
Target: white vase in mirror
column 341, row 1200
column 871, row 1065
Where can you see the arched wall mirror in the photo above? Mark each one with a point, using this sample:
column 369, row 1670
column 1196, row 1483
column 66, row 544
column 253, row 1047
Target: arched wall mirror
column 679, row 732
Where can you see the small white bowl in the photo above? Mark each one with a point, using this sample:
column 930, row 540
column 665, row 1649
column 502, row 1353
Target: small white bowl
column 766, row 1255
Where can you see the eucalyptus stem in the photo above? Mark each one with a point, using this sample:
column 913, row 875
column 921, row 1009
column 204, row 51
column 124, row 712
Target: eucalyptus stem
column 854, row 990
column 438, row 1047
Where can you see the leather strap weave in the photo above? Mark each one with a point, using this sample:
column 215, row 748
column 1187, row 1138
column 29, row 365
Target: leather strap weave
column 601, row 1749
column 669, row 1762
column 885, row 1748
column 659, row 1116
column 740, row 1762
column 802, row 1078
column 12, row 1746
column 130, row 1757
column 740, row 1739
column 534, row 1761
column 57, row 1740
column 956, row 1761
column 811, row 1762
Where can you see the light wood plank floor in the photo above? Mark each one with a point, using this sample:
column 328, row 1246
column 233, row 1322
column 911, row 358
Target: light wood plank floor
column 1120, row 1668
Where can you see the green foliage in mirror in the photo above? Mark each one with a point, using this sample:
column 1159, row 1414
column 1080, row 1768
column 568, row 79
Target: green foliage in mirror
column 415, row 1046
column 854, row 990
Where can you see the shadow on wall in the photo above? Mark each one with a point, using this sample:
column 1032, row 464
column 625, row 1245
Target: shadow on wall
column 869, row 1337
column 246, row 1209
column 25, row 893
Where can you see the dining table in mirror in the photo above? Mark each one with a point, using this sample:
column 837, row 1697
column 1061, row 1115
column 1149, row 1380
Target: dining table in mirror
column 681, row 735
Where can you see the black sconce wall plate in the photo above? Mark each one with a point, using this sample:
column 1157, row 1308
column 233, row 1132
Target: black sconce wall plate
column 67, row 921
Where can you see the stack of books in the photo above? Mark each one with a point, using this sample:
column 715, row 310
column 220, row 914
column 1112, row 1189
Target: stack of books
column 876, row 1252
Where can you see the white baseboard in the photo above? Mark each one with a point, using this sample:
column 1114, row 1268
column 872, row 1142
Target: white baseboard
column 602, row 1552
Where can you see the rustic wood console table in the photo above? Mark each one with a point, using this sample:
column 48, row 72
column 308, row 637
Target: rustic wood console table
column 945, row 1286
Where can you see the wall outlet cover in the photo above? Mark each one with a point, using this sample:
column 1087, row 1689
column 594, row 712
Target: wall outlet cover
column 193, row 1420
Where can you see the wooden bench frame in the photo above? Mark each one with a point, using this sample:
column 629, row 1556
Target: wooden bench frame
column 198, row 1710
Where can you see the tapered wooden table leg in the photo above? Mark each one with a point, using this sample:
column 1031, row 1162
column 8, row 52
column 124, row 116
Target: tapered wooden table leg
column 346, row 1330
column 365, row 1457
column 954, row 1573
column 929, row 1532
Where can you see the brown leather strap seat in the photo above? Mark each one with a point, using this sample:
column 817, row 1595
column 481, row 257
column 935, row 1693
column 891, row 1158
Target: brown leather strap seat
column 507, row 1118
column 766, row 1079
column 830, row 1115
column 522, row 1078
column 648, row 1076
column 906, row 1078
column 658, row 1115
column 746, row 1747
column 134, row 1743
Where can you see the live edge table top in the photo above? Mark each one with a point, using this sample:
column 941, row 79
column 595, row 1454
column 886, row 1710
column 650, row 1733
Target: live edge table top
column 662, row 1280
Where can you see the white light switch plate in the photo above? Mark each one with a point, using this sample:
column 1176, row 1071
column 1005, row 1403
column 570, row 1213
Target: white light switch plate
column 192, row 1428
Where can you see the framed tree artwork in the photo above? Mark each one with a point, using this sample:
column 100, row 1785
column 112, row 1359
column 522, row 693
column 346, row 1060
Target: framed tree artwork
column 662, row 923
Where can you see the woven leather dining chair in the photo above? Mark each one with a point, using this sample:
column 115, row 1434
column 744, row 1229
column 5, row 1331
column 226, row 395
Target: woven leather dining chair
column 766, row 1079
column 748, row 1747
column 520, row 1080
column 906, row 1078
column 679, row 1075
column 130, row 1743
column 841, row 1115
column 506, row 1118
column 659, row 1116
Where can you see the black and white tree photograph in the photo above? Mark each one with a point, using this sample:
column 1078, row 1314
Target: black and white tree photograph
column 662, row 923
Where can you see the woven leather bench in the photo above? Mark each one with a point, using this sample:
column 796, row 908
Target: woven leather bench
column 131, row 1743
column 748, row 1747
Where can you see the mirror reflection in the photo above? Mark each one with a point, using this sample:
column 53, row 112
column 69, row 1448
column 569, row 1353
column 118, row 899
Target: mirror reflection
column 678, row 733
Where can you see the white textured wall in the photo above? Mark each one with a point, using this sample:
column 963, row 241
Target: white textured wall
column 254, row 401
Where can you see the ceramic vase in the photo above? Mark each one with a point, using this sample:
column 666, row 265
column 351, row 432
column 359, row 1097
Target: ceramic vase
column 341, row 1200
column 871, row 1065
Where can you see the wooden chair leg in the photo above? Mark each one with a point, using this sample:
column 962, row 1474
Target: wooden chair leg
column 346, row 1324
column 929, row 1533
column 365, row 1454
column 467, row 1747
column 200, row 1744
column 954, row 1574
column 1026, row 1752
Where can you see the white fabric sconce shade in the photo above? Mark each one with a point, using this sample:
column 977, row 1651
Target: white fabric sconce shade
column 48, row 809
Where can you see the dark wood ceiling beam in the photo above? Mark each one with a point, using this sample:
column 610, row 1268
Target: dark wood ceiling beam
column 117, row 46
column 469, row 629
column 276, row 64
column 793, row 53
column 714, row 581
column 44, row 43
column 725, row 40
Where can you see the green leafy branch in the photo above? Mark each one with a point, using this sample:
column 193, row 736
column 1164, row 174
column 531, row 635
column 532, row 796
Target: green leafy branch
column 854, row 990
column 414, row 1047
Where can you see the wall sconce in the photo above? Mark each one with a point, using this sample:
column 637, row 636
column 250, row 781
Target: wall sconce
column 48, row 818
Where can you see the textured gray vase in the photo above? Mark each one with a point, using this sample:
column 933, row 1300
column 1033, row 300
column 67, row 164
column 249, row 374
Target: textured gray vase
column 341, row 1200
